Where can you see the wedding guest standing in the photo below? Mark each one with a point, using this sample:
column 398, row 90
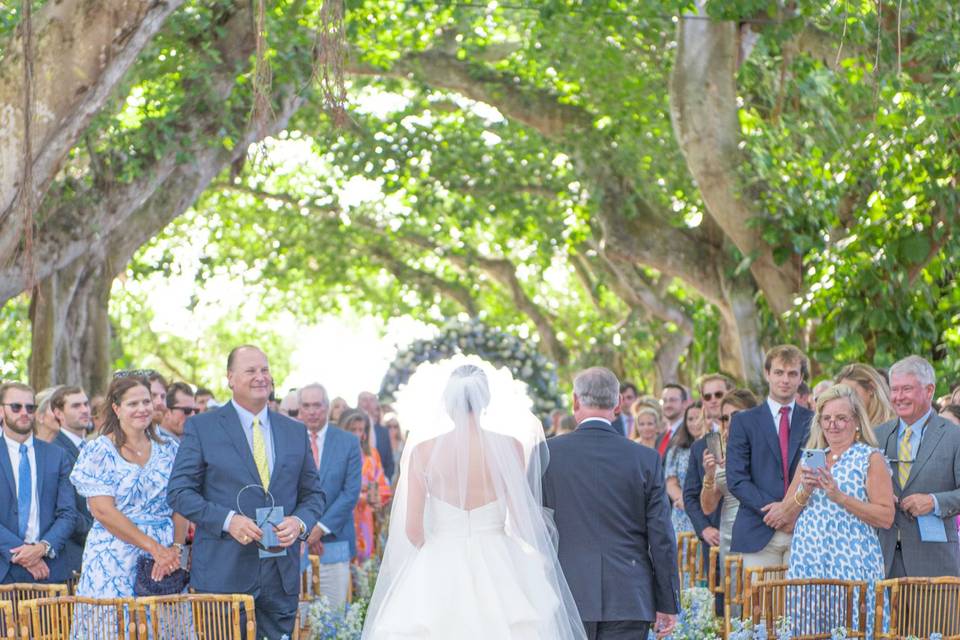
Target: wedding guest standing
column 715, row 492
column 379, row 436
column 337, row 455
column 375, row 490
column 38, row 513
column 675, row 469
column 123, row 475
column 239, row 447
column 763, row 454
column 841, row 506
column 646, row 424
column 925, row 450
column 872, row 389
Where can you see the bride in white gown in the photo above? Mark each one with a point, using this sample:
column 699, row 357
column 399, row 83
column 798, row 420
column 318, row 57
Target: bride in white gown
column 470, row 553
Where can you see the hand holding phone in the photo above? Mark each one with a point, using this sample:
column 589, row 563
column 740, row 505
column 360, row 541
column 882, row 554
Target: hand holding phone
column 715, row 445
column 814, row 459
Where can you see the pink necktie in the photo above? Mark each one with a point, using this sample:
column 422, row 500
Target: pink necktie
column 316, row 451
column 785, row 446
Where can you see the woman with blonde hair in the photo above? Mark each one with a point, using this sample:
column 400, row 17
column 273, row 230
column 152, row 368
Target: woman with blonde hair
column 646, row 423
column 839, row 506
column 872, row 389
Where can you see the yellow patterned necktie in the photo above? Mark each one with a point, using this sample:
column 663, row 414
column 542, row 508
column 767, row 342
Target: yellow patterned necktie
column 905, row 457
column 260, row 453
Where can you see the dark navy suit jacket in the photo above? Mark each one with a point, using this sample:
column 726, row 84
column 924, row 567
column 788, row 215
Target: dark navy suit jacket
column 57, row 512
column 755, row 469
column 73, row 549
column 213, row 464
column 385, row 449
column 617, row 547
column 340, row 479
column 691, row 491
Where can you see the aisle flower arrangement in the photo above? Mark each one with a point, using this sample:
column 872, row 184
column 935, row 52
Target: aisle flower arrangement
column 337, row 623
column 499, row 348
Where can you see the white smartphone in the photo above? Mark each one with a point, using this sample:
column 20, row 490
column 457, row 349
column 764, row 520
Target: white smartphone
column 814, row 459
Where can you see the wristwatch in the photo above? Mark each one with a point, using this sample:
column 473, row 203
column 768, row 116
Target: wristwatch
column 49, row 553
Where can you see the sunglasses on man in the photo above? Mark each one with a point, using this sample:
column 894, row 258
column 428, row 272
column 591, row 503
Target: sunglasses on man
column 17, row 407
column 187, row 411
column 716, row 395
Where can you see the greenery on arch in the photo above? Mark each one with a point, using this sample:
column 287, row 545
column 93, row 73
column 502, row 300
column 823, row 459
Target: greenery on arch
column 497, row 347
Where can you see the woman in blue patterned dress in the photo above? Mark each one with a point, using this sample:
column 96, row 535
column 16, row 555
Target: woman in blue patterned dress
column 840, row 507
column 675, row 469
column 123, row 474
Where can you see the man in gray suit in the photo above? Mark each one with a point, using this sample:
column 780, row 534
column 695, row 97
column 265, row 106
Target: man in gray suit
column 616, row 547
column 924, row 450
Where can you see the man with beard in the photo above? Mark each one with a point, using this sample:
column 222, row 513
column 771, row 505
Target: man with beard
column 337, row 456
column 72, row 411
column 379, row 434
column 40, row 516
column 158, row 393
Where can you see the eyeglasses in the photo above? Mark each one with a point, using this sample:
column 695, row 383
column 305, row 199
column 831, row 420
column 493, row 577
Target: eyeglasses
column 17, row 407
column 293, row 413
column 840, row 421
column 187, row 411
column 128, row 373
column 716, row 395
column 725, row 419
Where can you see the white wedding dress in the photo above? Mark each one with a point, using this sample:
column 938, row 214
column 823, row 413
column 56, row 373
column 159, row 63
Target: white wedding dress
column 469, row 555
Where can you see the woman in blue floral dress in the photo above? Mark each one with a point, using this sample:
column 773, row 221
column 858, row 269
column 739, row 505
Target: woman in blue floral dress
column 675, row 470
column 123, row 474
column 839, row 507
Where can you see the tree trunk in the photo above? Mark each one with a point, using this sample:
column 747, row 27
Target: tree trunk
column 70, row 342
column 666, row 362
column 82, row 50
column 741, row 354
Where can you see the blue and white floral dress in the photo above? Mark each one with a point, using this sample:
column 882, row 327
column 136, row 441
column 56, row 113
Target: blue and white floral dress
column 675, row 465
column 140, row 493
column 830, row 542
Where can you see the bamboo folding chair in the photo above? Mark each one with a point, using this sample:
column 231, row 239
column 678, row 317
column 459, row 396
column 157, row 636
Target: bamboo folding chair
column 919, row 607
column 19, row 591
column 687, row 546
column 754, row 575
column 8, row 625
column 309, row 591
column 815, row 606
column 205, row 616
column 54, row 618
column 732, row 589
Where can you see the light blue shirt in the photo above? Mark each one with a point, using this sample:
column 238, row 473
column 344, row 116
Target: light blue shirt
column 246, row 421
column 916, row 436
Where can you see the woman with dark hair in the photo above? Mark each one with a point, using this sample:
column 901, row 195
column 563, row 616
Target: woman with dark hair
column 952, row 413
column 123, row 475
column 375, row 488
column 675, row 466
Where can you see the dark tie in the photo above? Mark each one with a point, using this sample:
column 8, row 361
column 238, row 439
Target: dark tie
column 785, row 446
column 24, row 491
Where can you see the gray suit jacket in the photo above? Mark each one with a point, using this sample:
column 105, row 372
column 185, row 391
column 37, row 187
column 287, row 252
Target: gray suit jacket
column 935, row 470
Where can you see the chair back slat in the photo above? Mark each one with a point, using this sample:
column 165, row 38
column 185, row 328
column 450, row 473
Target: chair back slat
column 732, row 589
column 56, row 618
column 919, row 607
column 199, row 615
column 8, row 624
column 815, row 606
column 754, row 575
column 17, row 592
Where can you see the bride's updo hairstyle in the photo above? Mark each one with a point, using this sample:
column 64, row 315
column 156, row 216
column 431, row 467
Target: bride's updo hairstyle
column 467, row 392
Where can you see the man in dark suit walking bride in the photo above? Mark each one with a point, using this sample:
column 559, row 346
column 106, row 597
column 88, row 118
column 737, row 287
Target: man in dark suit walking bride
column 616, row 544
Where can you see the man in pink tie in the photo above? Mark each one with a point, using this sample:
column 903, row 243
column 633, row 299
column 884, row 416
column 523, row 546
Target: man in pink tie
column 762, row 455
column 337, row 456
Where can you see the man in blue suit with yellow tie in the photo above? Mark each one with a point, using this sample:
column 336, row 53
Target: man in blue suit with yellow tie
column 39, row 513
column 225, row 457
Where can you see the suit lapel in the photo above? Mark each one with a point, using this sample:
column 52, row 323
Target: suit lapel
column 769, row 430
column 230, row 422
column 8, row 469
column 886, row 433
column 932, row 434
column 279, row 445
column 40, row 455
column 330, row 445
column 68, row 446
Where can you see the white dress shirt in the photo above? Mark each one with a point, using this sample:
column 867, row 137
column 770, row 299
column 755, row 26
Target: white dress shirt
column 33, row 522
column 775, row 410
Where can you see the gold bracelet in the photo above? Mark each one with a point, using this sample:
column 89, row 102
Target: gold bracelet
column 796, row 498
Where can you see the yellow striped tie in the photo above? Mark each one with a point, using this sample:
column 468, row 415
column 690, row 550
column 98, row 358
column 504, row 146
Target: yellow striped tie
column 260, row 453
column 905, row 455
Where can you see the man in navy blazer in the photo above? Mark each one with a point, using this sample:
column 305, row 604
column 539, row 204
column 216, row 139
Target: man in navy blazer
column 39, row 514
column 71, row 408
column 616, row 543
column 763, row 452
column 240, row 447
column 339, row 466
column 370, row 404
